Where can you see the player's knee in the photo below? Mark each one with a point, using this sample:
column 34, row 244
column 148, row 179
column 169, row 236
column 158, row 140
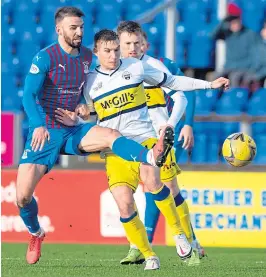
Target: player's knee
column 23, row 200
column 172, row 185
column 126, row 210
column 153, row 183
column 112, row 135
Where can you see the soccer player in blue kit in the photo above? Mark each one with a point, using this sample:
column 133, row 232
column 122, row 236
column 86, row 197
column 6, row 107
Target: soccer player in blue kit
column 55, row 81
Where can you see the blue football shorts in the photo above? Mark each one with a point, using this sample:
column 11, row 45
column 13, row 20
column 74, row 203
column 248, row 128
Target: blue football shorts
column 63, row 141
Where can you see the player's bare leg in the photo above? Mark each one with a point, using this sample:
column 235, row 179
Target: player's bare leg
column 99, row 138
column 28, row 177
column 134, row 228
column 164, row 200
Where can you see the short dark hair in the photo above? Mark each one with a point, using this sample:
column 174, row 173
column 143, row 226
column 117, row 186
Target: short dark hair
column 105, row 35
column 129, row 27
column 63, row 12
column 144, row 34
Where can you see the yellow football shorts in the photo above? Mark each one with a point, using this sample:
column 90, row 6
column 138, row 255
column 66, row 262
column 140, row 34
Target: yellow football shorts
column 120, row 172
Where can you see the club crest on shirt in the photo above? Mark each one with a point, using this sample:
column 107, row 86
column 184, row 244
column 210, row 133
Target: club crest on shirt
column 126, row 75
column 98, row 86
column 34, row 69
column 86, row 67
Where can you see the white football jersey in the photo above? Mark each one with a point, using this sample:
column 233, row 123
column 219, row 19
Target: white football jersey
column 155, row 96
column 119, row 98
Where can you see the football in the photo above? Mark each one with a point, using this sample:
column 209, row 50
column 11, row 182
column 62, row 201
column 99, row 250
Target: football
column 239, row 149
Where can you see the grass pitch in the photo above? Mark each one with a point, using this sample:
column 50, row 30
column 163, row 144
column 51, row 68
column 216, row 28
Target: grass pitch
column 103, row 260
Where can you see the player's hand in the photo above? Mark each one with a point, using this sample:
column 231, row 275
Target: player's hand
column 66, row 117
column 39, row 137
column 220, row 82
column 187, row 134
column 83, row 111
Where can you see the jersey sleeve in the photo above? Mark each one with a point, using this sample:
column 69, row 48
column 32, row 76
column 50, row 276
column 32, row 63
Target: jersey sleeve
column 191, row 102
column 156, row 77
column 153, row 76
column 170, row 64
column 33, row 84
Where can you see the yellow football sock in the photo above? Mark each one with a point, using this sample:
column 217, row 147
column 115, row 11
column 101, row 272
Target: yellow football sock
column 166, row 204
column 137, row 235
column 183, row 213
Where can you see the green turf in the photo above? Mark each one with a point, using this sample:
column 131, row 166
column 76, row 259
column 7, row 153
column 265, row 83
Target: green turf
column 102, row 260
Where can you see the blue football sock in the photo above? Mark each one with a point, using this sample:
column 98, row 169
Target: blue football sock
column 130, row 150
column 179, row 199
column 29, row 216
column 151, row 216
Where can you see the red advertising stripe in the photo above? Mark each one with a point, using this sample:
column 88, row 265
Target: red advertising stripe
column 74, row 207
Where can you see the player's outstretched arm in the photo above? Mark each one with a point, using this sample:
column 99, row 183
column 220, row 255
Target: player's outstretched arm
column 180, row 83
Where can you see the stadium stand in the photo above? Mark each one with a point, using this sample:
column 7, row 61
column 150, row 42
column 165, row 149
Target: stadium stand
column 195, row 49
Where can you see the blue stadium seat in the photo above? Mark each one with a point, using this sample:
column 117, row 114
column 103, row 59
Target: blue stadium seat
column 8, row 85
column 208, row 128
column 232, row 102
column 9, row 97
column 195, row 13
column 9, row 34
column 61, row 3
column 201, row 49
column 199, row 152
column 94, row 62
column 135, row 8
column 261, row 150
column 258, row 128
column 182, row 40
column 26, row 59
column 160, row 50
column 108, row 16
column 10, row 63
column 34, row 34
column 205, row 101
column 7, row 12
column 257, row 103
column 88, row 32
column 253, row 14
column 6, row 58
column 152, row 50
column 207, row 135
column 228, row 128
column 159, row 21
column 213, row 145
column 29, row 7
column 87, row 6
column 153, row 33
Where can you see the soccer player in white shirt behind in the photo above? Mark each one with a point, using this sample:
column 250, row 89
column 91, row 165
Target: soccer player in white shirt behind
column 115, row 89
column 131, row 42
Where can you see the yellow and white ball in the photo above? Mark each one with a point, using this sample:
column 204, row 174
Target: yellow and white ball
column 239, row 149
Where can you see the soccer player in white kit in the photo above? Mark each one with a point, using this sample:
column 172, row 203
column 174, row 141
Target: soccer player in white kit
column 116, row 92
column 131, row 39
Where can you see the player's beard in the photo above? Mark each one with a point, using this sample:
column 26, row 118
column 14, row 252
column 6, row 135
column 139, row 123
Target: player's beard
column 71, row 43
